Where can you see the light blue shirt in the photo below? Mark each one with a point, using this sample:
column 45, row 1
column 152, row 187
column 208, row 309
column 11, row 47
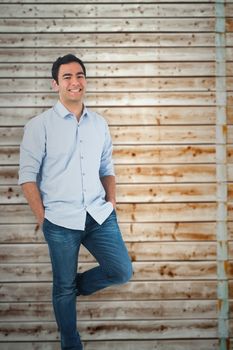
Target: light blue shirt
column 67, row 158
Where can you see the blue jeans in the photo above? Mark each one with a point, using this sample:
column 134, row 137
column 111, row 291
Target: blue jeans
column 105, row 243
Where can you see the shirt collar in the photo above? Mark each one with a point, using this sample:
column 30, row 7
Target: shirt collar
column 63, row 112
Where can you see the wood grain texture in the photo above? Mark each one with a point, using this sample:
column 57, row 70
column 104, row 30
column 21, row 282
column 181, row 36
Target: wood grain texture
column 143, row 290
column 152, row 74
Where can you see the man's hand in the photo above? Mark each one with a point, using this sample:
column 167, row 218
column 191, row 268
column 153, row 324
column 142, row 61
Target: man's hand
column 32, row 194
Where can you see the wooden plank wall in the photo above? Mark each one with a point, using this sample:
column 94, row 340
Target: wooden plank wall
column 151, row 73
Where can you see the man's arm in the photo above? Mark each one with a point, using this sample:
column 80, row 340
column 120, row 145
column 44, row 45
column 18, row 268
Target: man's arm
column 32, row 194
column 109, row 185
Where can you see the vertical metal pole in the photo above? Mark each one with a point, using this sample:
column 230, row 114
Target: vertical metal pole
column 221, row 177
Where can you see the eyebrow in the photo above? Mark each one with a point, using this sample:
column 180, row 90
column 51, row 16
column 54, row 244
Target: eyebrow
column 69, row 74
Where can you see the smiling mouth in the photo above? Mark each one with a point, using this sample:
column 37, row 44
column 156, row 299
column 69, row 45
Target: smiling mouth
column 75, row 90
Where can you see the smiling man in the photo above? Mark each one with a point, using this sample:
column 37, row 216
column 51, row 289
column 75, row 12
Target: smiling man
column 67, row 176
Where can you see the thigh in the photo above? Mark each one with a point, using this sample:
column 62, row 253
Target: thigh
column 105, row 243
column 63, row 246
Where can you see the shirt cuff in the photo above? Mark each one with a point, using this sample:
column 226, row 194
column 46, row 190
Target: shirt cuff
column 26, row 177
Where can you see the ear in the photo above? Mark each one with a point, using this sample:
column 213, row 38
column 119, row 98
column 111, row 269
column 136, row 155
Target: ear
column 55, row 85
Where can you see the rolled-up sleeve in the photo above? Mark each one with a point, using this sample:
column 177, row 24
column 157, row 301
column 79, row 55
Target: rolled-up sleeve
column 106, row 166
column 32, row 151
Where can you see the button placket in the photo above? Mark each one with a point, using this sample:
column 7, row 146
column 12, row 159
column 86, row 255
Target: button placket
column 82, row 167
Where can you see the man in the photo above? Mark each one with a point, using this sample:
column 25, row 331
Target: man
column 67, row 177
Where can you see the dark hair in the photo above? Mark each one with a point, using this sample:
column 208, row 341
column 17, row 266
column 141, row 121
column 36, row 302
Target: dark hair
column 64, row 60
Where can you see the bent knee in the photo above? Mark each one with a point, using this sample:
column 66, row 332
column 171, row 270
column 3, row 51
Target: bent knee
column 123, row 274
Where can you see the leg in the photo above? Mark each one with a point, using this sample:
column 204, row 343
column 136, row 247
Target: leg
column 64, row 246
column 106, row 244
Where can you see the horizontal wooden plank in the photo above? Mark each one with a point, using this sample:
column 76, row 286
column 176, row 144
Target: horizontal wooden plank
column 138, row 193
column 123, row 10
column 115, row 69
column 162, row 344
column 230, row 211
column 158, row 134
column 117, row 310
column 230, row 192
column 229, row 24
column 230, row 252
column 142, row 154
column 143, row 271
column 106, row 99
column 100, row 330
column 162, row 134
column 22, row 40
column 229, row 112
column 163, row 154
column 126, row 84
column 230, row 154
column 229, row 134
column 153, row 212
column 139, row 251
column 229, row 9
column 230, row 172
column 124, row 54
column 132, row 232
column 156, row 193
column 125, row 115
column 195, row 173
column 65, row 25
column 149, row 290
column 230, row 230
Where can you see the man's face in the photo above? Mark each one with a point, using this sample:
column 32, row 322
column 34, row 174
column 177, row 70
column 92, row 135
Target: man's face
column 71, row 83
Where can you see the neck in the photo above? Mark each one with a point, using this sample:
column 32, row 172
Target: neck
column 75, row 108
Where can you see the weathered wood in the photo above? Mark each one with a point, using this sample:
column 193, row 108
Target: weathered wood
column 229, row 24
column 46, row 55
column 230, row 172
column 139, row 251
column 100, row 330
column 163, row 154
column 230, row 230
column 143, row 271
column 116, row 84
column 229, row 134
column 10, row 136
column 124, row 115
column 65, row 25
column 132, row 232
column 162, row 134
column 112, row 70
column 153, row 212
column 191, row 344
column 150, row 290
column 230, row 251
column 110, row 40
column 229, row 112
column 195, row 173
column 230, row 192
column 230, row 154
column 117, row 310
column 229, row 9
column 230, row 211
column 107, row 99
column 142, row 154
column 104, row 10
column 138, row 193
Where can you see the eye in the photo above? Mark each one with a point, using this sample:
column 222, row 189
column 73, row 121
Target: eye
column 80, row 76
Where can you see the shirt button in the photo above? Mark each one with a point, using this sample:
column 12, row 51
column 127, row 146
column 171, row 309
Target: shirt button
column 81, row 157
column 84, row 174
